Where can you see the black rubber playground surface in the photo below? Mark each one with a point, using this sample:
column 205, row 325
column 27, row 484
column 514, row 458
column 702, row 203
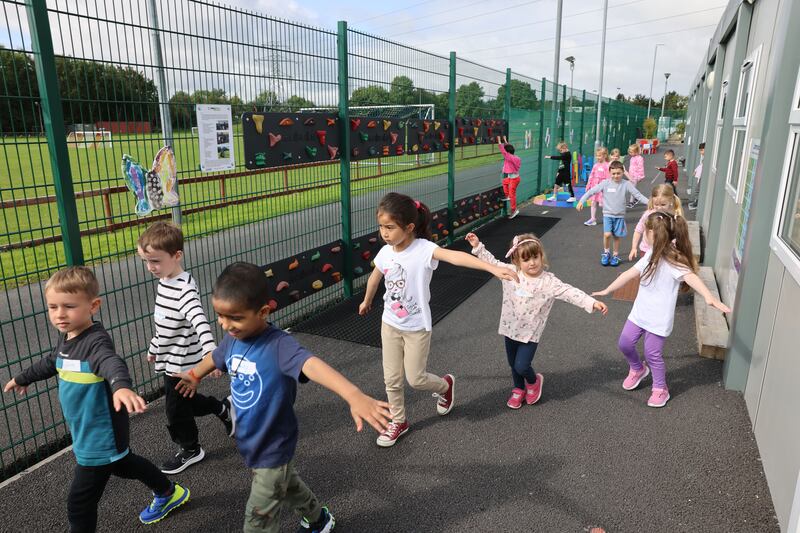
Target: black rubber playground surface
column 450, row 286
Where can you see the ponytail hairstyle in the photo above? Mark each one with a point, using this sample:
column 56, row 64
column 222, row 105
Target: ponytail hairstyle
column 404, row 210
column 670, row 242
column 665, row 190
column 509, row 148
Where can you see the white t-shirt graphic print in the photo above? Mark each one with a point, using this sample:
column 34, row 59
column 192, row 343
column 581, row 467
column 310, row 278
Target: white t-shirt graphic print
column 407, row 277
column 654, row 307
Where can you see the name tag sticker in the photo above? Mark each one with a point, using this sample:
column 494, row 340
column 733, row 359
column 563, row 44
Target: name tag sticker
column 71, row 364
column 612, row 189
column 522, row 293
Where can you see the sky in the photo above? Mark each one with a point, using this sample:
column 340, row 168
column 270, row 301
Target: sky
column 520, row 34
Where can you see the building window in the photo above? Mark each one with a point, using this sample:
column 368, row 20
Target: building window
column 790, row 230
column 723, row 96
column 747, row 83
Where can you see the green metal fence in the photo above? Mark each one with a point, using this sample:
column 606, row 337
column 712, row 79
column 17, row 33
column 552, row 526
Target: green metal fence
column 147, row 65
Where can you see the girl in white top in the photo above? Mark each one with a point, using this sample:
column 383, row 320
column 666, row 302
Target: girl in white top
column 526, row 306
column 660, row 273
column 407, row 263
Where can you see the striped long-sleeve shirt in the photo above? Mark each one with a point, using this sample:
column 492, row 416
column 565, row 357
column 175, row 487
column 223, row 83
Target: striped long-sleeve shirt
column 183, row 334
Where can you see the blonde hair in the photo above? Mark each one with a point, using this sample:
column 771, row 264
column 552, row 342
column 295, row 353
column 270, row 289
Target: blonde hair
column 634, row 148
column 665, row 191
column 616, row 152
column 526, row 250
column 670, row 242
column 73, row 280
column 163, row 236
column 603, row 151
column 561, row 145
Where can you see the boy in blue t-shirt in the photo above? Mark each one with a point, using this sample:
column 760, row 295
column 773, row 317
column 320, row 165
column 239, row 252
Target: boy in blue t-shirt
column 265, row 364
column 96, row 395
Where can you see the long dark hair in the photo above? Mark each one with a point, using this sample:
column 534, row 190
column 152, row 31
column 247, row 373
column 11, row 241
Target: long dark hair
column 404, row 210
column 666, row 229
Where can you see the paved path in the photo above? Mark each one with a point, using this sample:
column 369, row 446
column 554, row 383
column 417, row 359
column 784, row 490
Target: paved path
column 589, row 454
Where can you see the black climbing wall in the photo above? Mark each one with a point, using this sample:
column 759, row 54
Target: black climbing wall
column 425, row 136
column 479, row 130
column 280, row 139
column 376, row 137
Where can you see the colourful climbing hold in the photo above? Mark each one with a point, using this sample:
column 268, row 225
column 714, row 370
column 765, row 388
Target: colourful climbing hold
column 415, row 148
column 336, row 276
column 441, row 136
column 326, row 267
column 321, row 136
column 445, row 233
column 477, row 122
column 261, row 158
column 365, row 255
column 294, row 264
column 385, row 150
column 358, row 270
column 330, row 121
column 426, row 148
column 475, row 131
column 460, row 132
column 356, row 245
column 274, row 139
column 273, row 305
column 355, row 123
column 309, row 122
column 372, row 124
column 401, row 124
column 316, row 256
column 295, row 295
column 258, row 122
column 333, row 151
column 372, row 264
column 317, row 285
column 269, row 273
column 356, row 152
column 373, row 240
column 373, row 151
column 436, row 124
column 387, row 124
column 287, row 156
column 336, row 249
column 311, row 151
column 426, row 125
column 393, row 137
column 282, row 285
column 435, row 237
column 364, row 136
column 399, row 150
column 286, row 122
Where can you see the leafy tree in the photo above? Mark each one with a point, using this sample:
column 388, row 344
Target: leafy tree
column 181, row 110
column 639, row 99
column 402, row 91
column 18, row 112
column 621, row 98
column 369, row 95
column 295, row 103
column 469, row 101
column 522, row 96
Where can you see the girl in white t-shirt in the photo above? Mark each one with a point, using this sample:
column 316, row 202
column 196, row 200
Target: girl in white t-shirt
column 660, row 273
column 407, row 263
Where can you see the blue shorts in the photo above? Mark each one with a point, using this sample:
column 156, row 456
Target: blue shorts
column 615, row 226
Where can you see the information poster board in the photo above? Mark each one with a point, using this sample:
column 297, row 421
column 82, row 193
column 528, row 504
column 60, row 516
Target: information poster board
column 215, row 136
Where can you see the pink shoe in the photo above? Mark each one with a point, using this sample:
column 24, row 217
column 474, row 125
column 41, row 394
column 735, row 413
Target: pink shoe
column 635, row 377
column 515, row 400
column 534, row 392
column 659, row 398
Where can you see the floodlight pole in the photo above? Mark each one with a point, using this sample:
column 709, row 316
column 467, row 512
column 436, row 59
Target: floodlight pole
column 597, row 142
column 652, row 77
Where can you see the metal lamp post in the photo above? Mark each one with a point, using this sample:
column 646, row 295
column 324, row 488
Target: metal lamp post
column 652, row 77
column 664, row 100
column 571, row 61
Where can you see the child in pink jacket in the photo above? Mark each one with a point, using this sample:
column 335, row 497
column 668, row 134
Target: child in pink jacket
column 599, row 173
column 635, row 171
column 511, row 164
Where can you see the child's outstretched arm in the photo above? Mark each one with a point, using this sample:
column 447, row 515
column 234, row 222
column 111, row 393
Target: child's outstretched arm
column 622, row 279
column 694, row 281
column 369, row 294
column 466, row 260
column 637, row 238
column 594, row 190
column 481, row 252
column 190, row 380
column 44, row 368
column 362, row 407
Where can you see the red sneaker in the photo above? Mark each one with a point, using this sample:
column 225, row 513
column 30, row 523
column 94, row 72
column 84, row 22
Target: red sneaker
column 445, row 401
column 515, row 400
column 534, row 392
column 393, row 431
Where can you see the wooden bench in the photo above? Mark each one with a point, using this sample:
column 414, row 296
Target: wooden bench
column 711, row 325
column 694, row 237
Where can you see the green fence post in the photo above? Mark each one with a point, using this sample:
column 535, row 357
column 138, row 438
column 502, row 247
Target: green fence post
column 541, row 137
column 451, row 153
column 565, row 108
column 47, row 81
column 344, row 154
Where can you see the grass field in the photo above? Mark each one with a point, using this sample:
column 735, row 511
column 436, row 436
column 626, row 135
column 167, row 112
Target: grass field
column 25, row 173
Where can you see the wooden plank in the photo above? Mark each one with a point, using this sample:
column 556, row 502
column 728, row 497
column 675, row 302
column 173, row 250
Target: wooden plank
column 628, row 292
column 711, row 325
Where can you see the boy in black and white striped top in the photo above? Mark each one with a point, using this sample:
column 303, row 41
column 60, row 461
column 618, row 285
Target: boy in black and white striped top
column 182, row 337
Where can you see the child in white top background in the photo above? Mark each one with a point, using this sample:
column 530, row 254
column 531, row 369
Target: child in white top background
column 598, row 174
column 406, row 263
column 526, row 306
column 662, row 198
column 660, row 273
